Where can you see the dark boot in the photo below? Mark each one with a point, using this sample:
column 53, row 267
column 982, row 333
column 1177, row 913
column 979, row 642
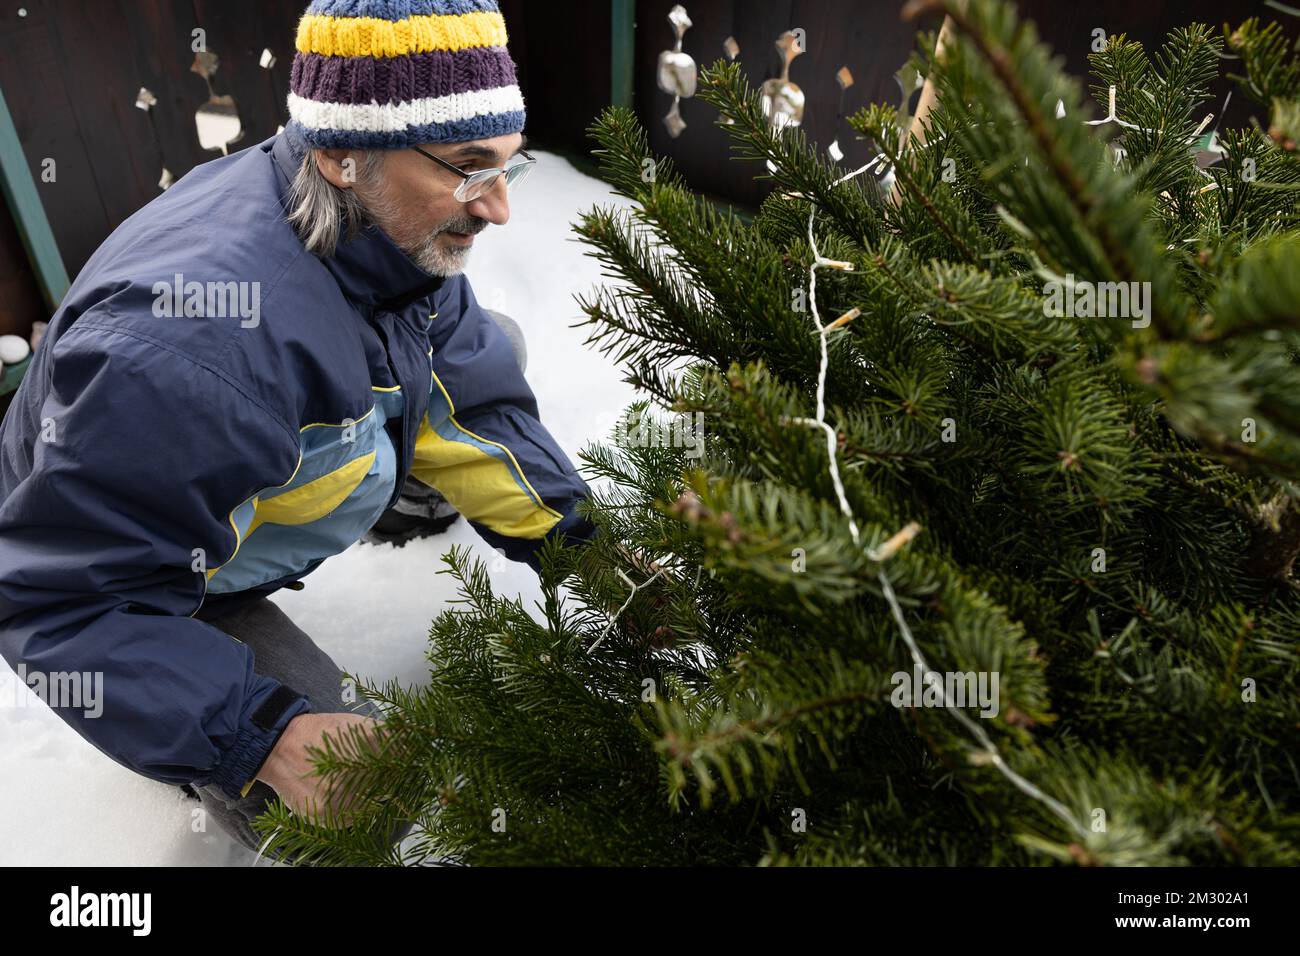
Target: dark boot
column 420, row 512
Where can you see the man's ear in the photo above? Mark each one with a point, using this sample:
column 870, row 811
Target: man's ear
column 338, row 166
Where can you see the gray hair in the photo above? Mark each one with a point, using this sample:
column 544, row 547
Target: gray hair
column 318, row 209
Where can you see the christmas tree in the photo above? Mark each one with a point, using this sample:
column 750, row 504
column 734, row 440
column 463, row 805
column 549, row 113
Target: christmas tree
column 958, row 523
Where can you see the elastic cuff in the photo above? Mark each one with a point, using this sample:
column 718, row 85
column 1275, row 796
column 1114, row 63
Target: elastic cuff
column 239, row 767
column 575, row 528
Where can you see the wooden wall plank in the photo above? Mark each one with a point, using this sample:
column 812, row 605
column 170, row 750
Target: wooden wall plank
column 563, row 55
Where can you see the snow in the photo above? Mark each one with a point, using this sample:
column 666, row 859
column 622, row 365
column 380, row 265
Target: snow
column 63, row 803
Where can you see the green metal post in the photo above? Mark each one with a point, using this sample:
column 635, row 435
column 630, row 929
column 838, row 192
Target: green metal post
column 622, row 52
column 29, row 215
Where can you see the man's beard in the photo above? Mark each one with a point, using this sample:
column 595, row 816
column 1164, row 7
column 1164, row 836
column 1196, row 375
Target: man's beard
column 423, row 248
column 435, row 259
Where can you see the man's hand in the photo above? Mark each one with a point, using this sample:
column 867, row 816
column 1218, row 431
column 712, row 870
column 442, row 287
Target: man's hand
column 289, row 771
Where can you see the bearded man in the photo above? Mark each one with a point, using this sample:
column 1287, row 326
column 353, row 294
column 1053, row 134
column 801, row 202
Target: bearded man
column 242, row 382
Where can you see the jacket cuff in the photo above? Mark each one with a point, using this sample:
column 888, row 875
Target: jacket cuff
column 257, row 737
column 572, row 529
column 575, row 528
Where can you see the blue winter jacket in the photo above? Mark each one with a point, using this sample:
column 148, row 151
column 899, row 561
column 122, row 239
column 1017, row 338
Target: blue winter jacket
column 212, row 413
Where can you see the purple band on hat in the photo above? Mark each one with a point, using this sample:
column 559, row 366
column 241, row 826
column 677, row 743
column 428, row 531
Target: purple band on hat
column 359, row 79
column 400, row 9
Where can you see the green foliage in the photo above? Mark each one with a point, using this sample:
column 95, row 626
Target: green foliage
column 1107, row 504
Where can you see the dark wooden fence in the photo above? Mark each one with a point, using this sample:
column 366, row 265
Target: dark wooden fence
column 870, row 38
column 71, row 69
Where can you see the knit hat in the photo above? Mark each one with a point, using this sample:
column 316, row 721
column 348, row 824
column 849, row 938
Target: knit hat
column 387, row 74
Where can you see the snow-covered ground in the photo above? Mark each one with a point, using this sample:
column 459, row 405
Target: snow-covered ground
column 62, row 802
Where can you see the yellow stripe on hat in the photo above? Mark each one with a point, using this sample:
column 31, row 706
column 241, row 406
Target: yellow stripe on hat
column 371, row 36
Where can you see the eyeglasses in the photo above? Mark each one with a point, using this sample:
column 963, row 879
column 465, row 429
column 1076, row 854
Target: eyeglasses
column 480, row 181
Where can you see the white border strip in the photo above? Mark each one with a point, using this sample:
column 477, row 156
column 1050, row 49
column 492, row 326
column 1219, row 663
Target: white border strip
column 394, row 117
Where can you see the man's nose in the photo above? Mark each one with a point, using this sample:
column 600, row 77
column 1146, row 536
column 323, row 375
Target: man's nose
column 493, row 205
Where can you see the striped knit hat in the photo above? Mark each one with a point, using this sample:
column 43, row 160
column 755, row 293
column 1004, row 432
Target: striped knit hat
column 387, row 74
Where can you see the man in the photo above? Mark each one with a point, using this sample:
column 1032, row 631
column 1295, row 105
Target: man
column 241, row 381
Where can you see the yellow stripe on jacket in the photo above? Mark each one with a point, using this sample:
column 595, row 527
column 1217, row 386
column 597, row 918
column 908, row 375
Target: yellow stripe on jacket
column 307, row 503
column 480, row 478
column 479, row 486
column 370, row 36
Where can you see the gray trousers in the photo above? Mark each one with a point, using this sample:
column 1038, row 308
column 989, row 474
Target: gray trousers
column 283, row 651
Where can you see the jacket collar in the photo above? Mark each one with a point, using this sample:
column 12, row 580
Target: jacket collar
column 370, row 270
